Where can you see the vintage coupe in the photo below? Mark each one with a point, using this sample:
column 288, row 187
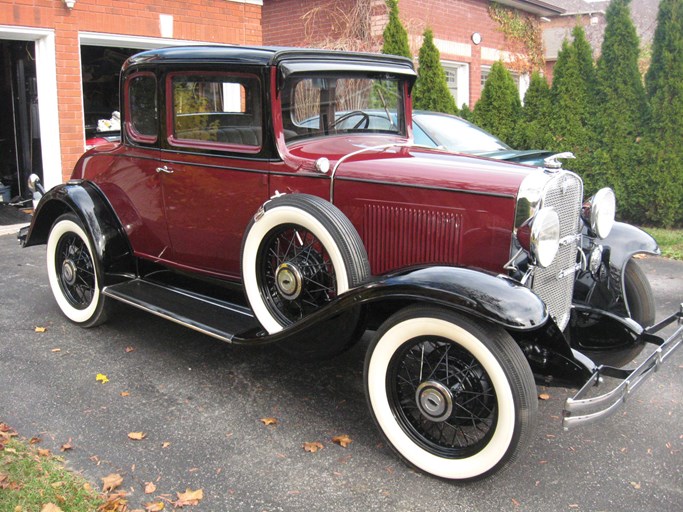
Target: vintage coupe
column 240, row 203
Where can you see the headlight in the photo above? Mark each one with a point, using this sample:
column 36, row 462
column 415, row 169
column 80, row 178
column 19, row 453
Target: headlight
column 545, row 237
column 599, row 212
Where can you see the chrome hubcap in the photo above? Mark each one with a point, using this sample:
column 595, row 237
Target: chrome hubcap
column 434, row 400
column 288, row 280
column 69, row 272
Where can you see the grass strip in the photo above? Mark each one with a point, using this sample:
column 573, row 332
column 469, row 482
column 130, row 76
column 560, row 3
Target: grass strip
column 670, row 241
column 32, row 479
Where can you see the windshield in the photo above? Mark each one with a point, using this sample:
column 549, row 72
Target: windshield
column 321, row 105
column 456, row 134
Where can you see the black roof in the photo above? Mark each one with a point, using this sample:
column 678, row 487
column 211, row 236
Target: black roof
column 266, row 56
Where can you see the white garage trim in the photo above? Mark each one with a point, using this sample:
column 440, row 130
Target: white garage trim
column 48, row 112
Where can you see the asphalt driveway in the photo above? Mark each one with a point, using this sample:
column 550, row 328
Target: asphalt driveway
column 199, row 401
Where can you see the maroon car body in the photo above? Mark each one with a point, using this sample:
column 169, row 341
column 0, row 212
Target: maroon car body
column 253, row 198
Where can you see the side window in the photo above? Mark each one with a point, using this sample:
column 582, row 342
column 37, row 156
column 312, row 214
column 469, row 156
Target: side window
column 216, row 111
column 141, row 108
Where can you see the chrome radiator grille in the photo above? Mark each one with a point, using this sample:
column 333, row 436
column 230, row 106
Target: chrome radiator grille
column 555, row 283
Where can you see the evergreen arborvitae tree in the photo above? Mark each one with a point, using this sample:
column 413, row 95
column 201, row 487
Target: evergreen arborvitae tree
column 395, row 34
column 466, row 113
column 533, row 131
column 431, row 90
column 499, row 107
column 620, row 114
column 573, row 105
column 664, row 82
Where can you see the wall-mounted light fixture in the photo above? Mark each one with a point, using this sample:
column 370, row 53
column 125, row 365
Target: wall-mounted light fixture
column 69, row 4
column 476, row 38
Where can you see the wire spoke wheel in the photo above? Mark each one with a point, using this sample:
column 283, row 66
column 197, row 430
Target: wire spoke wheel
column 73, row 272
column 452, row 395
column 77, row 276
column 442, row 396
column 295, row 273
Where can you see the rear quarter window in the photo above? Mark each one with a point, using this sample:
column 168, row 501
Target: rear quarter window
column 141, row 108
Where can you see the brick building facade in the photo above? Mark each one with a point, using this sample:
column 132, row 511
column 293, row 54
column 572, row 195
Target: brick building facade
column 469, row 40
column 43, row 42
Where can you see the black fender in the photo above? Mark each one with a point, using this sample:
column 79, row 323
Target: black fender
column 496, row 299
column 623, row 242
column 86, row 201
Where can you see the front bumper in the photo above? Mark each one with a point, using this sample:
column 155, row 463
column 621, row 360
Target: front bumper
column 582, row 411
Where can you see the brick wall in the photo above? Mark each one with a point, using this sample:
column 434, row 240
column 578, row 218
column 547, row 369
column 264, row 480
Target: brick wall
column 219, row 21
column 452, row 21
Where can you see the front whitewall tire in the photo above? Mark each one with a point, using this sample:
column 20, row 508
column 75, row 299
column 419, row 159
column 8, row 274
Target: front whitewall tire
column 514, row 423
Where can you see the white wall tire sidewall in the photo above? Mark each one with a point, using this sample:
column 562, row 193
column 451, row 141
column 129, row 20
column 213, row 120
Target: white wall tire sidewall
column 270, row 219
column 465, row 468
column 75, row 315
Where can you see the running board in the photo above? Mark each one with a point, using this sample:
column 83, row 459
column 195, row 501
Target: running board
column 219, row 319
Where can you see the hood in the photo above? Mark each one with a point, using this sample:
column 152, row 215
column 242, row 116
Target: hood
column 398, row 163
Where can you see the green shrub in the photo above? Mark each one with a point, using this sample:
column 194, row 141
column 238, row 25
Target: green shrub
column 499, row 108
column 431, row 90
column 395, row 34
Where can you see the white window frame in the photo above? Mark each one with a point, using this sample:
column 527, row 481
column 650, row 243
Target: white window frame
column 462, row 77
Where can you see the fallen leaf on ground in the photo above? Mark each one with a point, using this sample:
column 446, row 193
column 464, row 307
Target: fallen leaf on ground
column 189, row 497
column 313, row 447
column 130, row 349
column 269, row 421
column 136, row 436
column 342, row 440
column 50, row 507
column 34, row 440
column 66, row 446
column 115, row 503
column 56, row 350
column 43, row 453
column 165, row 444
column 155, row 506
column 150, row 488
column 111, row 482
column 544, row 396
column 635, row 485
column 101, row 377
column 515, row 502
column 54, row 485
column 41, row 329
column 125, row 393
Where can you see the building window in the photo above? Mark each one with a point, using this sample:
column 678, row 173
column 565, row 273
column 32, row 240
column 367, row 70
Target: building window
column 458, row 80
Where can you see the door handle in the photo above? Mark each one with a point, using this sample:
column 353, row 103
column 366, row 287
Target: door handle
column 165, row 170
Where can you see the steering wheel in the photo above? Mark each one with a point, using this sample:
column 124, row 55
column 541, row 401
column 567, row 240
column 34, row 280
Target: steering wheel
column 365, row 118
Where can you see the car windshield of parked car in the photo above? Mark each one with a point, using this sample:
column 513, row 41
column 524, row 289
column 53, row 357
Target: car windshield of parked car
column 455, row 134
column 315, row 106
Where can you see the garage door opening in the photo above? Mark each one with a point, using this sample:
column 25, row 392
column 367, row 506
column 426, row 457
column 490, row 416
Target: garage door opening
column 20, row 144
column 100, row 69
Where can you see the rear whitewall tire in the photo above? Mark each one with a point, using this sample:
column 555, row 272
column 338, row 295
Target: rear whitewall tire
column 515, row 421
column 93, row 313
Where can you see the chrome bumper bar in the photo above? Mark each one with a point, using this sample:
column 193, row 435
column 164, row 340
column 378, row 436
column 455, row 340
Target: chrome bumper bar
column 582, row 411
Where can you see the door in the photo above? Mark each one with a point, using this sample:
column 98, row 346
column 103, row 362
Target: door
column 213, row 177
